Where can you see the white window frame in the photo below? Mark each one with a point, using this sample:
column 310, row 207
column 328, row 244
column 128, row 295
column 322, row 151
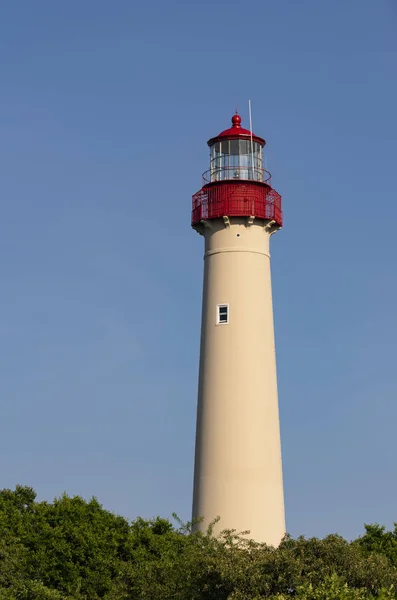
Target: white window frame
column 218, row 321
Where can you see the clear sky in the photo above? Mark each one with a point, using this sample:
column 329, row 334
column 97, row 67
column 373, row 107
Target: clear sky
column 105, row 110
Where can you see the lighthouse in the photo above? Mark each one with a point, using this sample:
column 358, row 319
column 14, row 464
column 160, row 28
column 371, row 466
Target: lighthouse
column 238, row 467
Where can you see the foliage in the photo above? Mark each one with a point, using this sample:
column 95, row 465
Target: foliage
column 72, row 549
column 377, row 540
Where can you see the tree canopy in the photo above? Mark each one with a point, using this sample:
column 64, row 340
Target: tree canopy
column 72, row 549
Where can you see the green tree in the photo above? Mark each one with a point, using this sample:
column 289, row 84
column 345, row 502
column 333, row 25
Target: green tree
column 72, row 549
column 377, row 540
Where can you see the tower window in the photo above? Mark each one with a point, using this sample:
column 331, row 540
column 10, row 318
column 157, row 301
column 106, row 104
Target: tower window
column 222, row 314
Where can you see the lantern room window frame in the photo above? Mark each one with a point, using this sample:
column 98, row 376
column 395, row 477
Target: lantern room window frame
column 236, row 159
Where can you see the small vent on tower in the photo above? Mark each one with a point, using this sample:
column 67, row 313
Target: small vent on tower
column 222, row 314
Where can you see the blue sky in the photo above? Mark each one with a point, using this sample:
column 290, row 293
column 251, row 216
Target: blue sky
column 105, row 110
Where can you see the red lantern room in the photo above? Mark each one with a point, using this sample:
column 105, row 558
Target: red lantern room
column 236, row 184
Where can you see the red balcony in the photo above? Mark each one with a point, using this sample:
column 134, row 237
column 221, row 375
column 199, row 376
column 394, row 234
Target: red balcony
column 236, row 199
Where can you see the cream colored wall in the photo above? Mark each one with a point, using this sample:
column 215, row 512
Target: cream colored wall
column 238, row 471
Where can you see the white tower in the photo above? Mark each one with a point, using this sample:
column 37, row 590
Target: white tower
column 238, row 470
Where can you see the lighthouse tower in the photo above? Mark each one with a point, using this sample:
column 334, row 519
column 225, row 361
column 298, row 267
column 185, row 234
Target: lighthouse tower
column 238, row 471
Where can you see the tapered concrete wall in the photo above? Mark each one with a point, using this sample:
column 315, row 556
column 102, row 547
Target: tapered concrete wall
column 238, row 471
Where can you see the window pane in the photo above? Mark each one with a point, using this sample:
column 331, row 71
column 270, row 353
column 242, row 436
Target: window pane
column 234, row 162
column 234, row 147
column 244, row 147
column 222, row 314
column 225, row 161
column 225, row 147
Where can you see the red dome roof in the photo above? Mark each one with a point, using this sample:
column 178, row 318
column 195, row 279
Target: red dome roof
column 236, row 132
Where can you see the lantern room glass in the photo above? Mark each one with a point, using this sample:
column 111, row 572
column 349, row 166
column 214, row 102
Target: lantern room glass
column 236, row 159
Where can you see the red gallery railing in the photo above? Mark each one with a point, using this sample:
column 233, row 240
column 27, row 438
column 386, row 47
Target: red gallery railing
column 236, row 199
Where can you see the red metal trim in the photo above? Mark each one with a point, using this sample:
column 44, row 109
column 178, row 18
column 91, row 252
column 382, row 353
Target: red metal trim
column 236, row 133
column 236, row 199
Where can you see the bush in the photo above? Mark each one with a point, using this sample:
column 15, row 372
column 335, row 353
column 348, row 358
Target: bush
column 72, row 549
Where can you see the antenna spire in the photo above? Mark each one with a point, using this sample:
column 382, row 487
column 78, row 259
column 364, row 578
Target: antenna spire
column 252, row 143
